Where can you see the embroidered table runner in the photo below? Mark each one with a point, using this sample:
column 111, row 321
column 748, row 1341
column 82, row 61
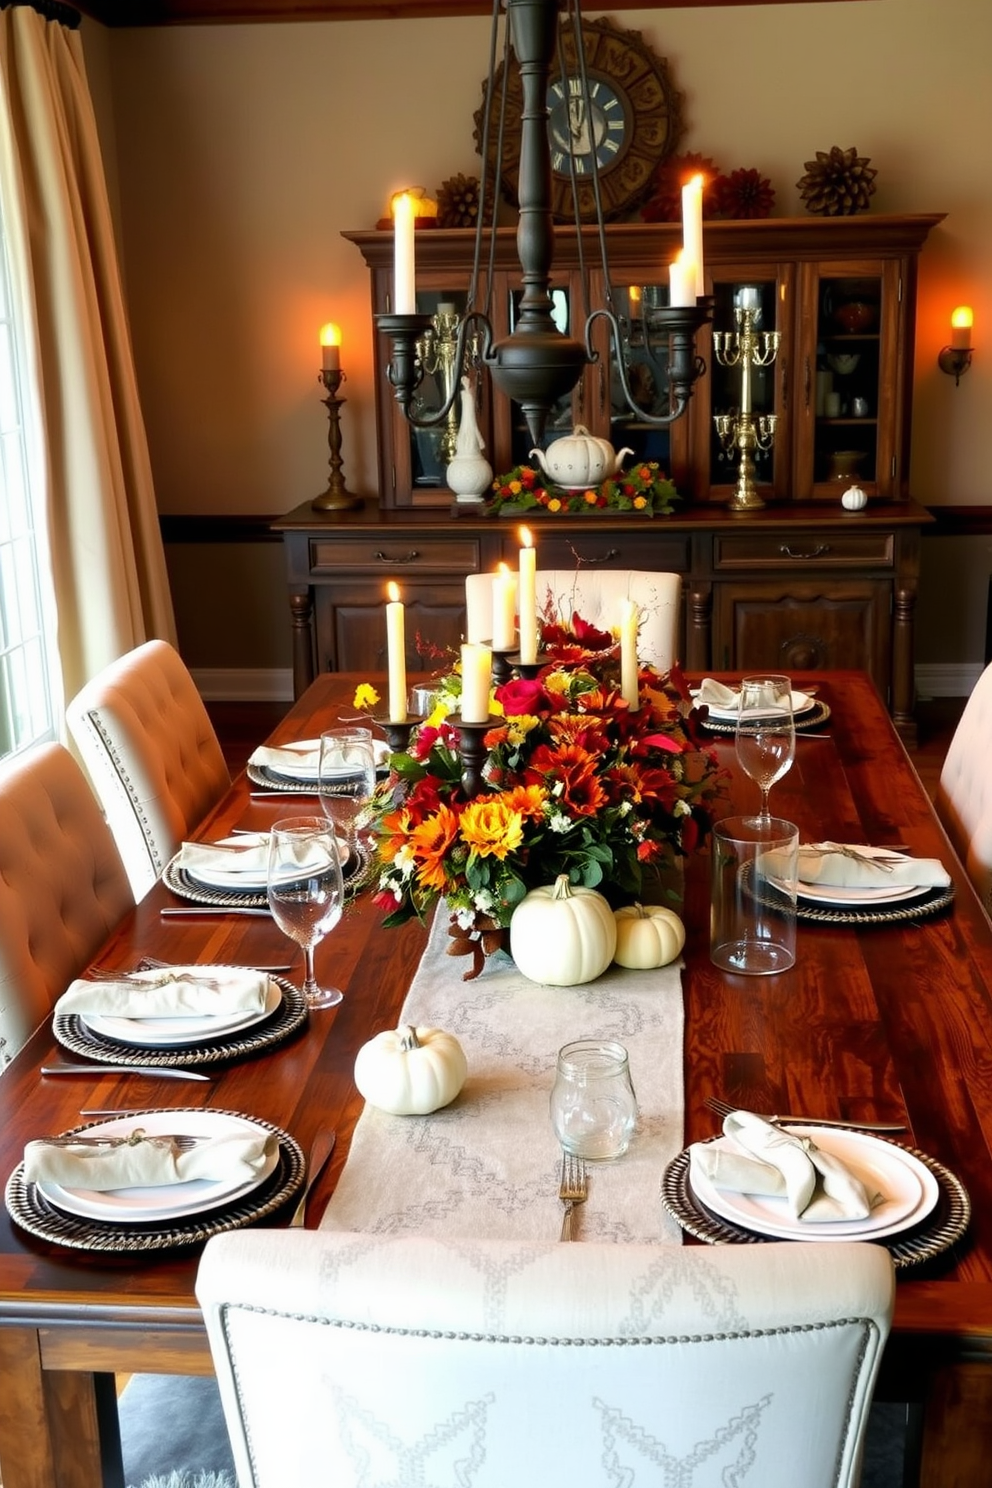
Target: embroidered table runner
column 488, row 1164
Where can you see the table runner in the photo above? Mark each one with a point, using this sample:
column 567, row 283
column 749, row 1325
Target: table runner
column 488, row 1164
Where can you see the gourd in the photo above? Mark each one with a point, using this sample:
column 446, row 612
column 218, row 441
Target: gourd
column 648, row 935
column 854, row 499
column 411, row 1071
column 562, row 934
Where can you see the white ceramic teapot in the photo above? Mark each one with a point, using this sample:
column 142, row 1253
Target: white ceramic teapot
column 579, row 460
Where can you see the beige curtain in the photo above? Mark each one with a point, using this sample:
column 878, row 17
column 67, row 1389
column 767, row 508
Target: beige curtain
column 111, row 587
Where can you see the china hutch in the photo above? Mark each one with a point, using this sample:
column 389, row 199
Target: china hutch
column 800, row 583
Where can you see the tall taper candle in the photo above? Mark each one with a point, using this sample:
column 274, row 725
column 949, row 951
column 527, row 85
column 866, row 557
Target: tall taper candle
column 692, row 230
column 629, row 618
column 527, row 599
column 396, row 655
column 504, row 609
column 477, row 677
column 404, row 274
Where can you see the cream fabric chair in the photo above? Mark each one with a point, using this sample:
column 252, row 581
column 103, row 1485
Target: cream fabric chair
column 358, row 1359
column 63, row 888
column 964, row 793
column 152, row 754
column 597, row 595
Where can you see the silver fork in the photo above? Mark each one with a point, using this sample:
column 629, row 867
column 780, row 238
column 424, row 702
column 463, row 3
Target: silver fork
column 721, row 1108
column 572, row 1189
column 107, row 974
column 181, row 1142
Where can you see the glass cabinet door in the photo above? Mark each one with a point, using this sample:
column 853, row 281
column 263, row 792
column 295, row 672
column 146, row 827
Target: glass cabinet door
column 429, row 450
column 848, row 386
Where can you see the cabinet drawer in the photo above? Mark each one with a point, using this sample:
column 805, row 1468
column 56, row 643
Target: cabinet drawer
column 668, row 554
column 826, row 549
column 393, row 555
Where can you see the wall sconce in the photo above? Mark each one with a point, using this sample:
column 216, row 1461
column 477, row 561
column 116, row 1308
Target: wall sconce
column 337, row 497
column 956, row 358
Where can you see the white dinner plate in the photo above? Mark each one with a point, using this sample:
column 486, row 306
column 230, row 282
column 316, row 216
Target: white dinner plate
column 163, row 1033
column 910, row 1190
column 831, row 894
column 168, row 1201
column 250, row 882
column 801, row 703
column 309, row 760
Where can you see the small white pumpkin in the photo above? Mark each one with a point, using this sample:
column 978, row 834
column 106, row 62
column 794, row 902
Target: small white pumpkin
column 562, row 934
column 648, row 935
column 411, row 1071
column 854, row 499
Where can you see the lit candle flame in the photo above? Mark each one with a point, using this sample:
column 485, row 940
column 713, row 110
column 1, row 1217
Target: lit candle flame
column 393, row 590
column 525, row 537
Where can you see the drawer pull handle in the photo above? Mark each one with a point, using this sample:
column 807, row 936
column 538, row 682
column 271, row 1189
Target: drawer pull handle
column 411, row 557
column 610, row 553
column 816, row 552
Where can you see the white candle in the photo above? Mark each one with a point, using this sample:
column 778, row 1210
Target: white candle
column 681, row 281
column 750, row 298
column 477, row 673
column 692, row 230
column 528, row 599
column 396, row 655
column 404, row 294
column 629, row 618
column 330, row 344
column 504, row 609
column 962, row 321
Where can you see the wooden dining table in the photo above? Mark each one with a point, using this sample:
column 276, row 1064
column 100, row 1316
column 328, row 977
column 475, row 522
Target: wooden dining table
column 876, row 1023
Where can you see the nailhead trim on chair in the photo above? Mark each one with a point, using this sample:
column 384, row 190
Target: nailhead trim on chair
column 130, row 792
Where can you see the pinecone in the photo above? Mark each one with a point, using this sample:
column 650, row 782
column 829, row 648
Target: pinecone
column 665, row 202
column 743, row 193
column 458, row 202
column 838, row 183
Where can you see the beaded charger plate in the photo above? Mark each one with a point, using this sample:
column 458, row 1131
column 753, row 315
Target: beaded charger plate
column 937, row 1232
column 920, row 906
column 290, row 1016
column 814, row 717
column 357, row 873
column 30, row 1209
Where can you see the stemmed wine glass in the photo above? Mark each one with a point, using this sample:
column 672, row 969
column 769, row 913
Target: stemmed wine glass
column 305, row 891
column 766, row 732
column 346, row 778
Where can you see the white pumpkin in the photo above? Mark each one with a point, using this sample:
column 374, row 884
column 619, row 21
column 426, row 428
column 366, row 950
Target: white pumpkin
column 411, row 1071
column 854, row 499
column 648, row 935
column 562, row 935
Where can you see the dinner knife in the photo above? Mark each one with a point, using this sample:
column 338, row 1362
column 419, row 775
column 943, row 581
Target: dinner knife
column 151, row 1070
column 220, row 909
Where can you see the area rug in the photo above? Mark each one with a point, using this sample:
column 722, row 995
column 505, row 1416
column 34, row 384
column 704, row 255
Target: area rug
column 173, row 1433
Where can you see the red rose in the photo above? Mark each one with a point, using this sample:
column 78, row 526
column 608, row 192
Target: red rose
column 523, row 695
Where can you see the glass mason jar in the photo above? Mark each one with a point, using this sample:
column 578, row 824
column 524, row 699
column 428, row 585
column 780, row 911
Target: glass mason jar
column 593, row 1106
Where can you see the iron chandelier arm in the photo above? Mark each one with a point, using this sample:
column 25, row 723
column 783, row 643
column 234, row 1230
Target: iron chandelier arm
column 405, row 369
column 679, row 324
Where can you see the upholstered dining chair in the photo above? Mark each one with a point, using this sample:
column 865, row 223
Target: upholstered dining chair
column 596, row 594
column 63, row 888
column 352, row 1359
column 964, row 792
column 152, row 755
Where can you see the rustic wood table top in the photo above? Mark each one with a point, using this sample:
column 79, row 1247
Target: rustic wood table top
column 882, row 1023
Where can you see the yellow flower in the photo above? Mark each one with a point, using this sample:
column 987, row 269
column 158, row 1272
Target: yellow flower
column 516, row 487
column 489, row 829
column 365, row 696
column 554, row 504
column 590, row 498
column 640, row 501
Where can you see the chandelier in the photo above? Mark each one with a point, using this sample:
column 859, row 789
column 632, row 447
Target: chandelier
column 538, row 364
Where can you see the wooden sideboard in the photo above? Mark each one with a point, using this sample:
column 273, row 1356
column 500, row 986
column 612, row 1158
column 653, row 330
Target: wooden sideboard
column 794, row 588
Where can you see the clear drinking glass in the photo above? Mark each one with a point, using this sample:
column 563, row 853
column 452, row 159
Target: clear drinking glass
column 306, row 891
column 346, row 779
column 766, row 731
column 593, row 1106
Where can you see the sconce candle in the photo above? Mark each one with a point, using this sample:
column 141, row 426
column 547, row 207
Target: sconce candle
column 504, row 609
column 692, row 233
column 330, row 347
column 528, row 599
column 962, row 320
column 404, row 293
column 629, row 618
column 396, row 655
column 477, row 676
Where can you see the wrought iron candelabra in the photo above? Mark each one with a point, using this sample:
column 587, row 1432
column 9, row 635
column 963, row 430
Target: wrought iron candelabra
column 745, row 431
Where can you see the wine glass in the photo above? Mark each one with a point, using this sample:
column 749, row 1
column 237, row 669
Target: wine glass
column 766, row 731
column 346, row 778
column 305, row 891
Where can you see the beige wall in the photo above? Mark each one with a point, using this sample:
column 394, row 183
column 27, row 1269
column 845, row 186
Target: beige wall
column 239, row 154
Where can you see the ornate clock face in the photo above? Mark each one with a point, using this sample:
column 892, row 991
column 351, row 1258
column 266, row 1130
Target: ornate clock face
column 629, row 123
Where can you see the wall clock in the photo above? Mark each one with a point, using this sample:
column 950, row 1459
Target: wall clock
column 633, row 122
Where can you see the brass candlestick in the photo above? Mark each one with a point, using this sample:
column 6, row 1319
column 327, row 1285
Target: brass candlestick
column 438, row 354
column 337, row 497
column 745, row 432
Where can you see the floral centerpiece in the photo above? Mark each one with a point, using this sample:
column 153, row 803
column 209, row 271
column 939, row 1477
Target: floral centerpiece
column 643, row 489
column 575, row 783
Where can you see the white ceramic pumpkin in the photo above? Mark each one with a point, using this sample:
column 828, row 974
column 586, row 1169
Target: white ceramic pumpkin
column 562, row 934
column 411, row 1071
column 854, row 499
column 648, row 935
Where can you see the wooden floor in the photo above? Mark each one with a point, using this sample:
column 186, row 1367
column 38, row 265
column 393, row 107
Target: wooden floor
column 240, row 726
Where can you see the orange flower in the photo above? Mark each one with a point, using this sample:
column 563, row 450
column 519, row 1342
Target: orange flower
column 490, row 828
column 590, row 498
column 528, row 800
column 573, row 772
column 430, row 842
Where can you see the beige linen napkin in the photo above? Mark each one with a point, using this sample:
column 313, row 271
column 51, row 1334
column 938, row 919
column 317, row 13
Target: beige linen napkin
column 303, row 759
column 238, row 856
column 716, row 695
column 197, row 991
column 849, row 866
column 149, row 1163
column 817, row 1186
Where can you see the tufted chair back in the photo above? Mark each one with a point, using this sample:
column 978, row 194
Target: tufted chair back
column 596, row 594
column 355, row 1359
column 152, row 755
column 964, row 793
column 63, row 888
